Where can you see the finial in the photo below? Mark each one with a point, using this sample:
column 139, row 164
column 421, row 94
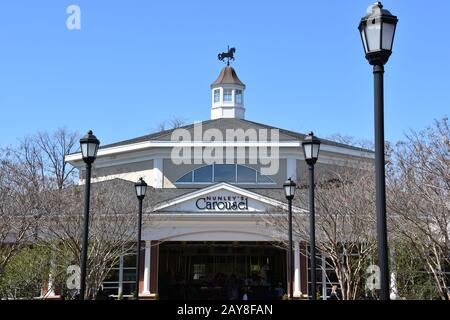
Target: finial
column 378, row 3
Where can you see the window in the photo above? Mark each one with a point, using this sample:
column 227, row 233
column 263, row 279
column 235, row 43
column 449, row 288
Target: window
column 203, row 174
column 227, row 95
column 186, row 178
column 238, row 96
column 216, row 95
column 199, row 271
column 326, row 276
column 121, row 278
column 246, row 174
column 231, row 173
column 224, row 173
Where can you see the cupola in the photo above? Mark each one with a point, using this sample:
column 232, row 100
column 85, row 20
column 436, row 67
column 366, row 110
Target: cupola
column 227, row 95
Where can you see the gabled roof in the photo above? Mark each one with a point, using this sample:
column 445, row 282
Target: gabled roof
column 228, row 187
column 228, row 123
column 158, row 197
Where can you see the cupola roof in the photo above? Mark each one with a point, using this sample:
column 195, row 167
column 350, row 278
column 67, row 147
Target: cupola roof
column 227, row 76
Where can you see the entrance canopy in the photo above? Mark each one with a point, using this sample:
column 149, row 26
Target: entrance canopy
column 220, row 212
column 223, row 198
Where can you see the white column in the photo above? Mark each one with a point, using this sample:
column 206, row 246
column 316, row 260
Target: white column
column 291, row 171
column 158, row 173
column 394, row 293
column 51, row 286
column 297, row 291
column 324, row 278
column 147, row 267
column 120, row 276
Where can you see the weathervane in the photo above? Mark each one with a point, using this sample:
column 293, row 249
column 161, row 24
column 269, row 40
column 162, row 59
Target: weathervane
column 227, row 55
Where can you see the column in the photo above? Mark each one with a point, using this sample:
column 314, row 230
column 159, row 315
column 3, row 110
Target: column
column 120, row 276
column 394, row 293
column 148, row 248
column 324, row 278
column 154, row 257
column 50, row 292
column 51, row 286
column 297, row 290
column 158, row 177
column 303, row 268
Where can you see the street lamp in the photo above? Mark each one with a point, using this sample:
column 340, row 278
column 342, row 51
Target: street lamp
column 89, row 146
column 377, row 31
column 289, row 191
column 141, row 188
column 311, row 148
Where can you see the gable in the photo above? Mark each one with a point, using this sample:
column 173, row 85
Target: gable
column 222, row 198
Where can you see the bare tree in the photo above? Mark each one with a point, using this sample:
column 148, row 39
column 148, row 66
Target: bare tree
column 54, row 147
column 352, row 141
column 172, row 123
column 27, row 172
column 21, row 181
column 40, row 205
column 344, row 224
column 111, row 229
column 419, row 185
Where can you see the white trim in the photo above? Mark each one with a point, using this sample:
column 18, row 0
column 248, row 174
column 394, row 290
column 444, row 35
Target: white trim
column 51, row 286
column 105, row 163
column 297, row 289
column 238, row 183
column 120, row 291
column 158, row 176
column 324, row 277
column 147, row 266
column 219, row 235
column 228, row 187
column 169, row 144
column 212, row 216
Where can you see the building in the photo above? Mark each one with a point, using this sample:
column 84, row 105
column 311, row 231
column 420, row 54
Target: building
column 213, row 203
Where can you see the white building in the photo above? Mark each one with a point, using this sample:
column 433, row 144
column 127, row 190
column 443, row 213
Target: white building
column 213, row 211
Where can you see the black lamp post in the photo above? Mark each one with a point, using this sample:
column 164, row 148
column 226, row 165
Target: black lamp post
column 141, row 188
column 377, row 31
column 311, row 147
column 89, row 146
column 289, row 191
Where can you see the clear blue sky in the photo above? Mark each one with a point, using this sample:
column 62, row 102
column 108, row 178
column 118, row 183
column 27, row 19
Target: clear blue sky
column 136, row 63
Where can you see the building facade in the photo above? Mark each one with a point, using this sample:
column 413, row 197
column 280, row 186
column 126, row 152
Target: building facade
column 219, row 180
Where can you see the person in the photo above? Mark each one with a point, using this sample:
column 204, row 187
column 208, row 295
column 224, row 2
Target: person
column 245, row 295
column 279, row 291
column 264, row 272
column 333, row 294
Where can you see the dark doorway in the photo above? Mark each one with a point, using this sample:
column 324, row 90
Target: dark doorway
column 221, row 271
